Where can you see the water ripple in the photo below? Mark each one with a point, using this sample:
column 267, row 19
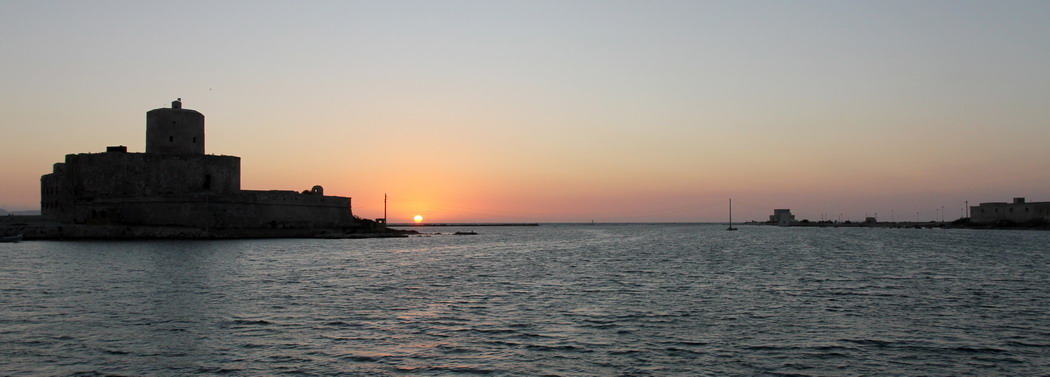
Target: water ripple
column 554, row 300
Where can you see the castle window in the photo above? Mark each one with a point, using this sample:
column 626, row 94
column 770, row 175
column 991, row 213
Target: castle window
column 171, row 138
column 207, row 181
column 194, row 139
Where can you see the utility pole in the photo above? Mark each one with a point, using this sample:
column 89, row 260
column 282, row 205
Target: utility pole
column 384, row 207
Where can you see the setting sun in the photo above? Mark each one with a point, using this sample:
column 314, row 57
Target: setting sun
column 418, row 219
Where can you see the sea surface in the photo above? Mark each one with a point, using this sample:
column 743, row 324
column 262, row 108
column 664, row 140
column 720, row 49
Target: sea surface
column 558, row 300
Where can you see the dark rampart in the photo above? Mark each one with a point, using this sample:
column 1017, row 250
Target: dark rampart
column 86, row 177
column 242, row 210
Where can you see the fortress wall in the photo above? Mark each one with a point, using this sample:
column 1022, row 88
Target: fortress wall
column 56, row 198
column 287, row 209
column 245, row 210
column 104, row 175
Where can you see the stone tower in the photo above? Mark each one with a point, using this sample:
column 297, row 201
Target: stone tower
column 175, row 130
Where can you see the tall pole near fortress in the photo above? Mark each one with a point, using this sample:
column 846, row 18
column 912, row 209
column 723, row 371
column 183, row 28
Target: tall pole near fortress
column 384, row 207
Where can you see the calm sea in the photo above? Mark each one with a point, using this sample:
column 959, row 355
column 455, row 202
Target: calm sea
column 566, row 300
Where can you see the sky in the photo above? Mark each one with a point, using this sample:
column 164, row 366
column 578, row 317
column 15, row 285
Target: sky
column 546, row 111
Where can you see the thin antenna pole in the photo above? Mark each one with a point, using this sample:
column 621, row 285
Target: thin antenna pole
column 384, row 206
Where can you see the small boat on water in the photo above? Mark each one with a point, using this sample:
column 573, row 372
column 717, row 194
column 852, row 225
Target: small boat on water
column 14, row 238
column 471, row 233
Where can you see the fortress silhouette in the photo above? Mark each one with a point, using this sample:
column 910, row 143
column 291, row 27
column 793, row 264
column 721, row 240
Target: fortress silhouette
column 176, row 190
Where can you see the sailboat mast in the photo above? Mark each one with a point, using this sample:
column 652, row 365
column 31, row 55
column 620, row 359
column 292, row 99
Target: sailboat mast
column 730, row 215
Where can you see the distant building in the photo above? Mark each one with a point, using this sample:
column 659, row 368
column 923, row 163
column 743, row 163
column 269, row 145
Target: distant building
column 175, row 184
column 1017, row 212
column 782, row 217
column 870, row 220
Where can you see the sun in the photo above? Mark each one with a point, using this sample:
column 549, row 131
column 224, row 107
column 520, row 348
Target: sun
column 418, row 219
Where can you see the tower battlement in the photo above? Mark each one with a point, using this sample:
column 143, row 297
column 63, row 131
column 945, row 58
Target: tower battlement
column 174, row 130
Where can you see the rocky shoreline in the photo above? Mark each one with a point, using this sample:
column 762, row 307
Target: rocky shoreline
column 41, row 228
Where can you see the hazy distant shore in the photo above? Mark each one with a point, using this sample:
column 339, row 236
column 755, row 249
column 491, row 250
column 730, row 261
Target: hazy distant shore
column 957, row 224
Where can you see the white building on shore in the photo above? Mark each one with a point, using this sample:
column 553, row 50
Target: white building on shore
column 1019, row 211
column 782, row 217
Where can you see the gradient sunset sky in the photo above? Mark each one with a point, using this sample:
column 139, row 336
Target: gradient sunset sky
column 554, row 110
